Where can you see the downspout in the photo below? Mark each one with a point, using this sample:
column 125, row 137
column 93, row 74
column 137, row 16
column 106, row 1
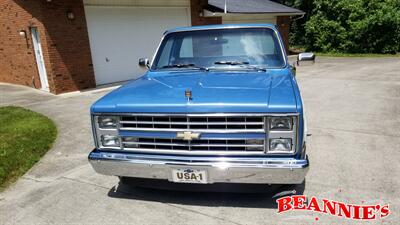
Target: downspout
column 225, row 10
column 298, row 18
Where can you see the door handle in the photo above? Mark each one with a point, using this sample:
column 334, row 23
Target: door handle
column 107, row 59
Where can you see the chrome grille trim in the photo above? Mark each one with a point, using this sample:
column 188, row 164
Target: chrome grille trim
column 203, row 124
column 199, row 114
column 193, row 145
column 180, row 152
column 98, row 132
column 191, row 123
column 195, row 130
column 199, row 146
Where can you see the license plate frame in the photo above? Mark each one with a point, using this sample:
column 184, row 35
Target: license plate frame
column 190, row 176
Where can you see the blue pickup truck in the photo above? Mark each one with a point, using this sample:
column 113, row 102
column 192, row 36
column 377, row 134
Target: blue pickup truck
column 218, row 104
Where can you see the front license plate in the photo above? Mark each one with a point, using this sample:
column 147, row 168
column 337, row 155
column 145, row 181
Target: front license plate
column 189, row 176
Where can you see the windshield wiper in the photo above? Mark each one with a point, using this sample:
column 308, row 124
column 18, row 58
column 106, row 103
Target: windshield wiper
column 231, row 63
column 189, row 65
column 257, row 68
column 243, row 64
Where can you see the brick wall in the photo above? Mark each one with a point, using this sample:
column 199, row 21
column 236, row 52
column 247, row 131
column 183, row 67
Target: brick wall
column 65, row 44
column 283, row 24
column 17, row 60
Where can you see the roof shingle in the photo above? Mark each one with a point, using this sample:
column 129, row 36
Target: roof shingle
column 253, row 6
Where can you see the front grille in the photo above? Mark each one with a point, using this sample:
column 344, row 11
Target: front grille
column 221, row 134
column 195, row 146
column 203, row 124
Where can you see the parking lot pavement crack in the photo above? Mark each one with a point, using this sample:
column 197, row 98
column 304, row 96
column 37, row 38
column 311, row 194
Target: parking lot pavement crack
column 356, row 131
column 47, row 101
column 36, row 180
column 83, row 182
column 171, row 205
column 204, row 214
column 193, row 211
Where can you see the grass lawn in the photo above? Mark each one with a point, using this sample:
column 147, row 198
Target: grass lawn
column 25, row 136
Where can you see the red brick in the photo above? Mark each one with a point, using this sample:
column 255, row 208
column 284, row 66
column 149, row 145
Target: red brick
column 63, row 54
column 283, row 24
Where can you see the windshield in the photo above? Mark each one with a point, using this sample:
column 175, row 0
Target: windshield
column 246, row 48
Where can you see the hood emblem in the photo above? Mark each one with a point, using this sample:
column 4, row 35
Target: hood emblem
column 188, row 94
column 187, row 135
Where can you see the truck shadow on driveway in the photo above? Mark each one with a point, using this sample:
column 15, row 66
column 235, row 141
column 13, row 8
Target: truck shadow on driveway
column 225, row 195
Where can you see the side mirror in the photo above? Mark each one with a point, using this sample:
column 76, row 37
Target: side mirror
column 144, row 63
column 305, row 57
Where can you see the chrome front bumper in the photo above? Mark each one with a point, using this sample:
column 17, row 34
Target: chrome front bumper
column 219, row 169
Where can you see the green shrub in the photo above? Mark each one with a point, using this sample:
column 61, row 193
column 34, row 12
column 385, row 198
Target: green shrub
column 358, row 26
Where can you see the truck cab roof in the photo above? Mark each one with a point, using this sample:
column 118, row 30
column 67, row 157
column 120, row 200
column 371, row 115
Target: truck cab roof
column 221, row 26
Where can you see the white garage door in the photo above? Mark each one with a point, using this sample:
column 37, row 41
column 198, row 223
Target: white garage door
column 119, row 36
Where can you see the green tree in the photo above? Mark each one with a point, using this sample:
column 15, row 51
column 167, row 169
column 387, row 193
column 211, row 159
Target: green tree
column 358, row 26
column 352, row 26
column 297, row 28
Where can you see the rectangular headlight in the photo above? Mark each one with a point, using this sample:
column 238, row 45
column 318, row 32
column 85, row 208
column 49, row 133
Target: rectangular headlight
column 280, row 145
column 110, row 141
column 107, row 122
column 283, row 123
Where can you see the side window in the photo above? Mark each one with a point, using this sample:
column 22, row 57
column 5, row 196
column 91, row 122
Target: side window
column 165, row 56
column 186, row 48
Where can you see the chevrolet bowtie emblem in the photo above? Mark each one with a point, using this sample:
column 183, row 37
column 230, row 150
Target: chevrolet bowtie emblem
column 187, row 135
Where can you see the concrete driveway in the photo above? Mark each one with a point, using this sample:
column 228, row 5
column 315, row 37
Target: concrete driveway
column 353, row 110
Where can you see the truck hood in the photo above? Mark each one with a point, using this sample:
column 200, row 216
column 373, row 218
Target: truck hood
column 212, row 92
